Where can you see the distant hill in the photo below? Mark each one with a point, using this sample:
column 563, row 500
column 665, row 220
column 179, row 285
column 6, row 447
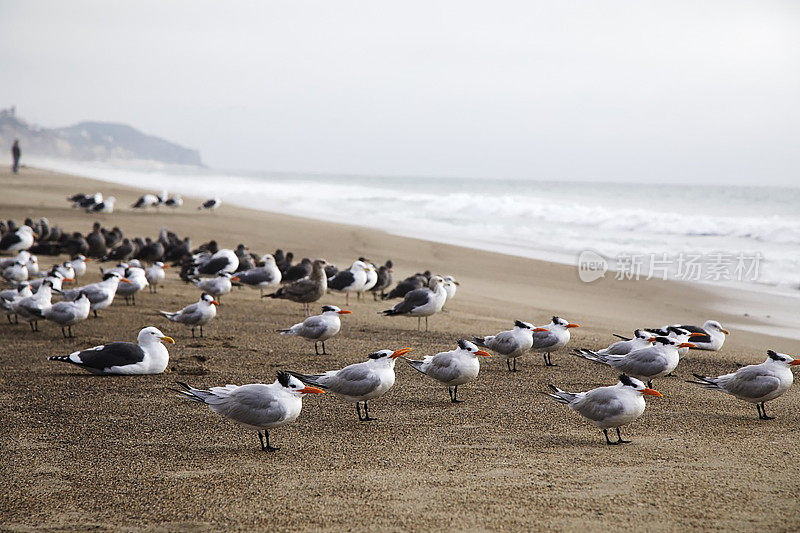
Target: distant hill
column 91, row 141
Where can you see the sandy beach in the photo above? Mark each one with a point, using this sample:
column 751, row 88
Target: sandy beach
column 107, row 453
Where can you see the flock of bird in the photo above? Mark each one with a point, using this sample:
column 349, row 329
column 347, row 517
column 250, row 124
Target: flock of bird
column 96, row 203
column 140, row 263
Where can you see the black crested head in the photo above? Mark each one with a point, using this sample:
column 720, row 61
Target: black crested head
column 109, row 275
column 663, row 340
column 283, row 378
column 773, row 355
column 326, row 308
column 677, row 330
column 521, row 324
column 556, row 320
column 376, row 355
column 464, row 344
column 625, row 380
column 389, row 263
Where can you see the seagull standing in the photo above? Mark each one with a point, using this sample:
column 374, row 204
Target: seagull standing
column 756, row 384
column 67, row 314
column 608, row 407
column 318, row 328
column 147, row 356
column 195, row 315
column 422, row 302
column 510, row 344
column 137, row 281
column 359, row 382
column 551, row 337
column 450, row 287
column 452, row 368
column 256, row 406
column 646, row 364
column 217, row 286
column 155, row 274
column 352, row 280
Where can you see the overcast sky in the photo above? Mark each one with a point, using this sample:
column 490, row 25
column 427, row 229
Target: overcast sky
column 697, row 91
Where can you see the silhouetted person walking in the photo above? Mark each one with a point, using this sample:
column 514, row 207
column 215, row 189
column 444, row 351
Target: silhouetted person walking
column 15, row 153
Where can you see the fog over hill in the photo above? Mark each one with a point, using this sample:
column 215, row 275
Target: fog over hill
column 91, row 141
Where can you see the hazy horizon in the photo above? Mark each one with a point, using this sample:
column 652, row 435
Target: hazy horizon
column 616, row 91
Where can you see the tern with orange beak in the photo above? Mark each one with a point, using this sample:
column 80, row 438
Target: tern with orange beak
column 359, row 382
column 256, row 406
column 608, row 407
column 641, row 339
column 453, row 368
column 551, row 337
column 712, row 335
column 195, row 315
column 101, row 294
column 510, row 344
column 756, row 384
column 318, row 328
column 147, row 356
column 647, row 363
column 217, row 286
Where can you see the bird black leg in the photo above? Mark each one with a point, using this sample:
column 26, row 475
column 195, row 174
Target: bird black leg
column 261, row 438
column 649, row 383
column 133, row 298
column 358, row 410
column 620, row 440
column 426, row 324
column 608, row 441
column 547, row 360
column 367, row 418
column 453, row 392
column 762, row 414
column 71, row 336
column 419, row 323
column 316, row 351
column 9, row 319
column 95, row 313
column 326, row 353
column 63, row 333
column 193, row 333
column 201, row 334
column 515, row 365
column 508, row 365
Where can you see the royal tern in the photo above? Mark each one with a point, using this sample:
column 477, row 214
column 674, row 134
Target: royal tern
column 266, row 276
column 641, row 339
column 551, row 337
column 10, row 297
column 147, row 356
column 646, row 363
column 79, row 264
column 16, row 272
column 318, row 328
column 510, row 344
column 22, row 239
column 422, row 302
column 712, row 335
column 359, row 382
column 256, row 406
column 67, row 314
column 608, row 407
column 306, row 290
column 137, row 281
column 756, row 384
column 452, row 368
column 195, row 315
column 217, row 286
column 101, row 294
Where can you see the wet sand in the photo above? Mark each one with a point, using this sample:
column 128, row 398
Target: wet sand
column 83, row 452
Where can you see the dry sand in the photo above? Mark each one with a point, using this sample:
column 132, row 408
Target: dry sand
column 83, row 452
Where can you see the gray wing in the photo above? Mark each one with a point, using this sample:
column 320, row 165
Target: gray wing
column 300, row 288
column 61, row 312
column 618, row 348
column 95, row 293
column 353, row 380
column 599, row 404
column 254, row 405
column 750, row 382
column 543, row 340
column 644, row 362
column 255, row 276
column 503, row 343
column 444, row 367
column 414, row 299
column 191, row 314
column 314, row 327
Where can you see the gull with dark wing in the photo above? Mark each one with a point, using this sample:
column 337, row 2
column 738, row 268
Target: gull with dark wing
column 19, row 240
column 318, row 328
column 422, row 302
column 551, row 337
column 195, row 315
column 452, row 368
column 608, row 407
column 307, row 290
column 756, row 384
column 646, row 364
column 146, row 356
column 352, row 280
column 256, row 406
column 510, row 344
column 359, row 382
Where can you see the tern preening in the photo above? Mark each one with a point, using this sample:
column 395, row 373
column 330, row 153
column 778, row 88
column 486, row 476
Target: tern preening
column 256, row 406
column 712, row 335
column 452, row 368
column 318, row 328
column 756, row 384
column 510, row 344
column 646, row 363
column 422, row 302
column 359, row 382
column 551, row 337
column 147, row 356
column 608, row 407
column 195, row 315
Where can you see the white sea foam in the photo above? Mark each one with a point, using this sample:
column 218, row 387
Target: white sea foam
column 552, row 220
